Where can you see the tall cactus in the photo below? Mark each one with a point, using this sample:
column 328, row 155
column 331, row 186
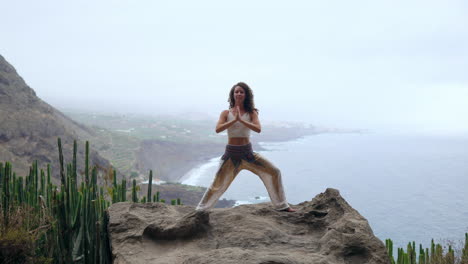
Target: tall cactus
column 123, row 197
column 465, row 250
column 43, row 187
column 115, row 194
column 434, row 255
column 1, row 177
column 87, row 163
column 77, row 216
column 422, row 255
column 134, row 192
column 6, row 193
column 75, row 150
column 35, row 182
column 62, row 172
column 150, row 185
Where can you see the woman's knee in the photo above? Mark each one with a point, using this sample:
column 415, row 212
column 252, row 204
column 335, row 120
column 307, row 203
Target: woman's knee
column 275, row 172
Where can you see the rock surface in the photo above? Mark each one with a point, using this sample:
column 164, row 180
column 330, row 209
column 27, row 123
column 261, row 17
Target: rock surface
column 326, row 230
column 30, row 127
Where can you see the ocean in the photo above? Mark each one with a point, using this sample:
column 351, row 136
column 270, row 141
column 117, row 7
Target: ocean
column 409, row 187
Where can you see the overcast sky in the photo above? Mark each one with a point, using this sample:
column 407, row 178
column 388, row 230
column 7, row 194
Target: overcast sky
column 396, row 65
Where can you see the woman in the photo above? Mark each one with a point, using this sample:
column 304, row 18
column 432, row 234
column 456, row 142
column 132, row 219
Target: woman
column 242, row 117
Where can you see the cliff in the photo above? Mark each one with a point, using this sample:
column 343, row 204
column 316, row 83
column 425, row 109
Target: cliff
column 30, row 127
column 325, row 230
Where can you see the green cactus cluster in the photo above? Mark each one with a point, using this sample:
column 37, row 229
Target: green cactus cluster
column 464, row 257
column 433, row 255
column 74, row 215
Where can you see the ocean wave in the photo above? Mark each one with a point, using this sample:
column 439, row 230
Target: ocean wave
column 241, row 203
column 261, row 198
column 193, row 176
column 154, row 182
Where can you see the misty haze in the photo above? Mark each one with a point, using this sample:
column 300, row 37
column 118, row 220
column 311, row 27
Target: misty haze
column 370, row 98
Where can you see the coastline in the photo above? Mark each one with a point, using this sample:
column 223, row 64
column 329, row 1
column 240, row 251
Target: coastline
column 191, row 177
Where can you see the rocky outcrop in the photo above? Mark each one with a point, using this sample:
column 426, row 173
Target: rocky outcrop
column 326, row 230
column 30, row 127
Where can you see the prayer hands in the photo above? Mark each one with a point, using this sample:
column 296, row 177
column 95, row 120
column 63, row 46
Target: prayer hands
column 237, row 114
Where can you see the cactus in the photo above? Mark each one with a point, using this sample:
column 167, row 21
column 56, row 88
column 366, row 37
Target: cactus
column 134, row 192
column 389, row 247
column 464, row 257
column 77, row 230
column 6, row 193
column 35, row 185
column 62, row 173
column 150, row 185
column 20, row 190
column 1, row 177
column 434, row 255
column 450, row 256
column 115, row 188
column 43, row 186
column 87, row 162
column 123, row 197
column 75, row 149
column 422, row 255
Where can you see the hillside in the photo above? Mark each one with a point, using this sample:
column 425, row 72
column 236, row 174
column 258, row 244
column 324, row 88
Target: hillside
column 30, row 127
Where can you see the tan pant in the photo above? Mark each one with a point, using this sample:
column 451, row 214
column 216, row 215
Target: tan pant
column 268, row 173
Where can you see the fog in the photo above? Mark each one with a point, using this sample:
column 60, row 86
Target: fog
column 378, row 65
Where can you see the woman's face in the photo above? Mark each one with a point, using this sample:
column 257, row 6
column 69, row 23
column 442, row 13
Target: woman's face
column 239, row 94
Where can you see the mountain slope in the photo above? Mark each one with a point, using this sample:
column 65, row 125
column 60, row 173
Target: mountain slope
column 29, row 127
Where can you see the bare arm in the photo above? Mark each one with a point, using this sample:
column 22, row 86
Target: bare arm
column 223, row 124
column 254, row 124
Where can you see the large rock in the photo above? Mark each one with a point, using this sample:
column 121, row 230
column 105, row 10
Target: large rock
column 326, row 230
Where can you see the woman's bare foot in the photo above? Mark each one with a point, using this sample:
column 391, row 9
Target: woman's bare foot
column 289, row 210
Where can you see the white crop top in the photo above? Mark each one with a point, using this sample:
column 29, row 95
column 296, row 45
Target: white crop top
column 238, row 129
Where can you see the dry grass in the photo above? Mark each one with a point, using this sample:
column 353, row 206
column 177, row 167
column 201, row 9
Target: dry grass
column 21, row 238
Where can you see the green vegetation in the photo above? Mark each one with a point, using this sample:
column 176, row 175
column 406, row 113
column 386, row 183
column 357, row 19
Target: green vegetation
column 190, row 187
column 434, row 255
column 165, row 128
column 119, row 148
column 119, row 137
column 42, row 223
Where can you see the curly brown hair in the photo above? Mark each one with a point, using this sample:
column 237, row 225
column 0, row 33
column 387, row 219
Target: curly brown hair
column 249, row 104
